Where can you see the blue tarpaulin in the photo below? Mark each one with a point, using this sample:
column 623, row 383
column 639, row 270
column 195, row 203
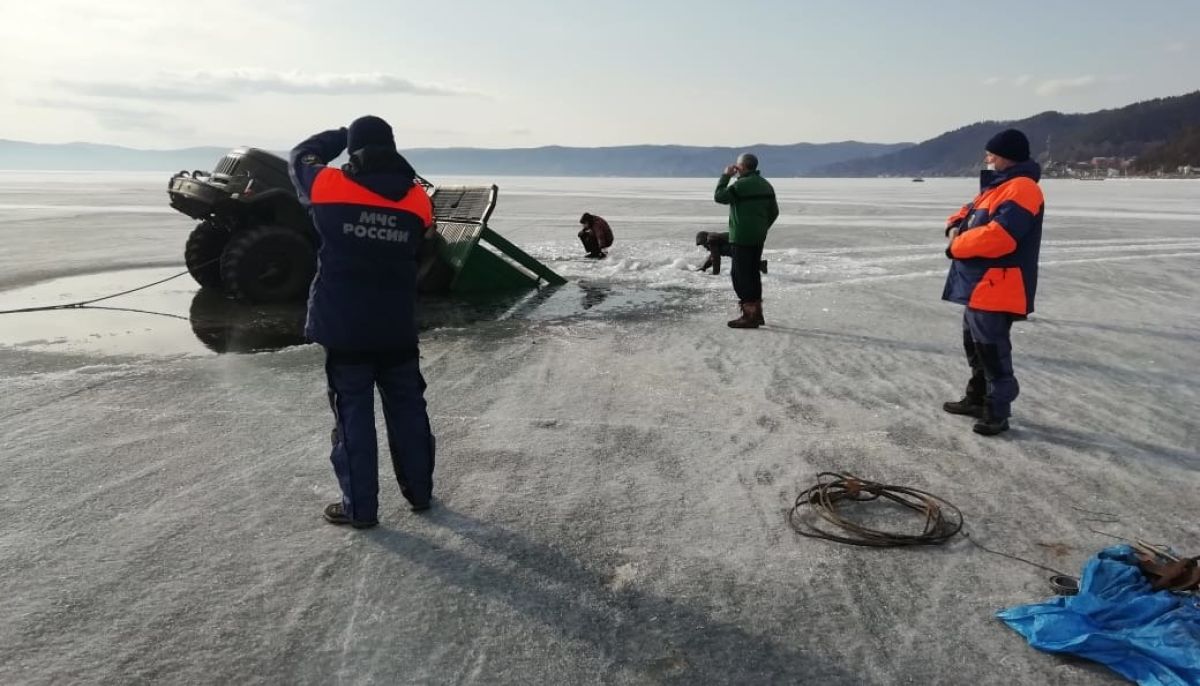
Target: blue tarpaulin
column 1150, row 637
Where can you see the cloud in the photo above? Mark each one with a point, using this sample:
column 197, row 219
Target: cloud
column 1176, row 48
column 128, row 120
column 226, row 85
column 1018, row 81
column 1049, row 87
column 128, row 91
column 1058, row 86
column 117, row 118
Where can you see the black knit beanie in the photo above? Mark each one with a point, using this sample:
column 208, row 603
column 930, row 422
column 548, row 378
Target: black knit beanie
column 1010, row 144
column 369, row 130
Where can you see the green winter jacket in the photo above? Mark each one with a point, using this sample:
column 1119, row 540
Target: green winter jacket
column 752, row 207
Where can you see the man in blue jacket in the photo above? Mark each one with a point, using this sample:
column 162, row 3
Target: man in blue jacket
column 994, row 244
column 370, row 216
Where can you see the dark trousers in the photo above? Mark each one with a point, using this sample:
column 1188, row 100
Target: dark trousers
column 590, row 244
column 352, row 378
column 989, row 353
column 744, row 270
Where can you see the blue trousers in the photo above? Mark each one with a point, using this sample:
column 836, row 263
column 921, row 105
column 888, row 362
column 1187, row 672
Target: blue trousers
column 352, row 379
column 989, row 353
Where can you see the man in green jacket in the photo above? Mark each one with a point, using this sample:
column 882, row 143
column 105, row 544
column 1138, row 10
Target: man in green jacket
column 752, row 211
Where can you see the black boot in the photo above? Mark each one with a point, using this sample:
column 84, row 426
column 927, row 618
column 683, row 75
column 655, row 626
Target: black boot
column 969, row 406
column 989, row 426
column 335, row 514
column 762, row 266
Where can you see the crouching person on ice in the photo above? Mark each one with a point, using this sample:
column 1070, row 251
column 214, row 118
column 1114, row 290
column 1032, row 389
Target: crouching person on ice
column 596, row 236
column 370, row 216
column 718, row 246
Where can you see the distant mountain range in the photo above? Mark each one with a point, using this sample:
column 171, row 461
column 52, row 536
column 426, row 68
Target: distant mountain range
column 1161, row 133
column 640, row 160
column 1164, row 127
column 633, row 160
column 93, row 156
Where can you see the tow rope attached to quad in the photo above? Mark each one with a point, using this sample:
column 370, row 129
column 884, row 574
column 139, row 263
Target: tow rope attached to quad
column 87, row 303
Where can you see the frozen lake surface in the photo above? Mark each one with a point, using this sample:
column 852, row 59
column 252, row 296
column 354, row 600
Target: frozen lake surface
column 614, row 464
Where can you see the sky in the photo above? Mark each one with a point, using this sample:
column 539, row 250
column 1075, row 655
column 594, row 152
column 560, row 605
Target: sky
column 520, row 73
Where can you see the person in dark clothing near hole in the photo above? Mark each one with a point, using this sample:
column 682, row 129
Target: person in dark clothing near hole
column 752, row 210
column 596, row 236
column 994, row 242
column 718, row 246
column 370, row 216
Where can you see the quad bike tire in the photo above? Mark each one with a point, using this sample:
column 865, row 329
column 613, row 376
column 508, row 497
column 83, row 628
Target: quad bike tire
column 202, row 254
column 268, row 264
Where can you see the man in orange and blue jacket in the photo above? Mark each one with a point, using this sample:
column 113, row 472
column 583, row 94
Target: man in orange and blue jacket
column 371, row 216
column 994, row 242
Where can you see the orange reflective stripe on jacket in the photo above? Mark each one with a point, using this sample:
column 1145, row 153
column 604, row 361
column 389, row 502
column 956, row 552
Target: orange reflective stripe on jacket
column 333, row 187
